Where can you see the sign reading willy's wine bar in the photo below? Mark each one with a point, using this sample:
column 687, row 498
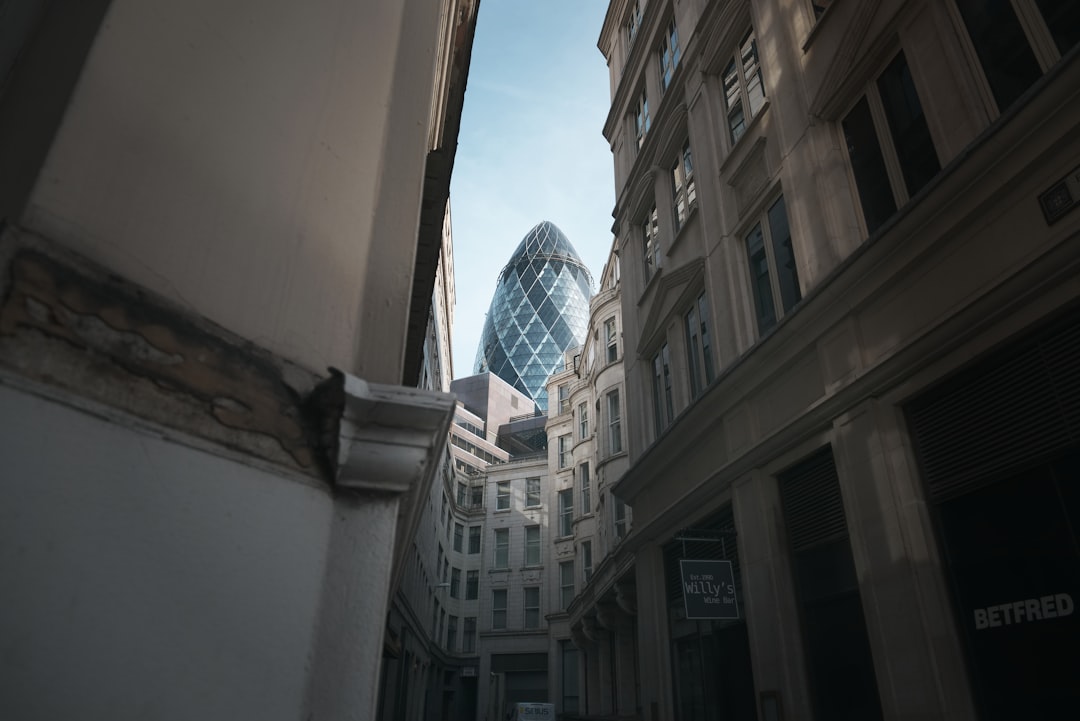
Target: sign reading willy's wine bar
column 709, row 589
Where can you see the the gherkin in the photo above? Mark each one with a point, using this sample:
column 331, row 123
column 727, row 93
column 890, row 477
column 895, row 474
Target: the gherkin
column 539, row 311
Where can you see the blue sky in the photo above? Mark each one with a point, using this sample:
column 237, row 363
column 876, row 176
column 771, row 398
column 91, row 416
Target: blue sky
column 530, row 148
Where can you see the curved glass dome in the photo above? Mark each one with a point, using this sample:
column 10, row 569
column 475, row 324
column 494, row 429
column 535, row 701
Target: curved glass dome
column 539, row 311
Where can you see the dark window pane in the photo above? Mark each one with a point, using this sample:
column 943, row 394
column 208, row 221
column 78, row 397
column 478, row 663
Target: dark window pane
column 910, row 133
column 786, row 274
column 871, row 179
column 1003, row 50
column 759, row 280
column 1063, row 19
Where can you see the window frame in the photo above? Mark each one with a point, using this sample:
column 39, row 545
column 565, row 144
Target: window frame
column 502, row 495
column 472, row 584
column 533, row 495
column 640, row 117
column 501, row 549
column 566, row 589
column 761, row 220
column 702, row 369
column 663, row 389
column 468, row 634
column 614, row 422
column 459, row 536
column 565, row 448
column 683, row 187
column 742, row 87
column 474, row 548
column 583, row 420
column 611, row 340
column 585, row 488
column 527, row 608
column 496, row 608
column 455, row 582
column 566, row 513
column 669, row 53
column 564, row 398
column 586, row 561
column 533, row 546
column 650, row 243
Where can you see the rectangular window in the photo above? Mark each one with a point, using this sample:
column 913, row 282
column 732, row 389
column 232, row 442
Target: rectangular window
column 907, row 124
column 532, row 545
column 476, row 496
column 569, row 664
column 502, row 495
column 744, row 91
column 502, row 548
column 455, row 583
column 583, row 420
column 566, row 584
column 446, row 570
column 451, row 634
column 614, row 414
column 459, row 536
column 472, row 585
column 774, row 277
column 532, row 606
column 564, row 398
column 586, row 560
column 633, row 22
column 1007, row 60
column 585, row 483
column 663, row 405
column 564, row 451
column 468, row 637
column 461, row 491
column 641, row 118
column 566, row 513
column 449, row 524
column 612, row 340
column 683, row 190
column 868, row 166
column 474, row 539
column 650, row 244
column 669, row 54
column 498, row 609
column 697, row 346
column 532, row 492
column 619, row 518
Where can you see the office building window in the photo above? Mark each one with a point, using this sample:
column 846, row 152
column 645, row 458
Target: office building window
column 614, row 422
column 744, row 91
column 566, row 513
column 586, row 560
column 564, row 451
column 683, row 190
column 566, row 584
column 532, row 606
column 459, row 536
column 476, row 496
column 461, row 494
column 633, row 22
column 902, row 137
column 663, row 403
column 641, row 118
column 498, row 609
column 502, row 495
column 619, row 518
column 474, row 539
column 468, row 636
column 564, row 398
column 445, row 570
column 451, row 634
column 585, row 483
column 650, row 243
column 697, row 346
column 532, row 492
column 774, row 278
column 669, row 54
column 532, row 545
column 455, row 583
column 472, row 585
column 583, row 420
column 612, row 340
column 502, row 548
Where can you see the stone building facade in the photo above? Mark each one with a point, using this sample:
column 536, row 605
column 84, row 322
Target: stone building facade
column 849, row 252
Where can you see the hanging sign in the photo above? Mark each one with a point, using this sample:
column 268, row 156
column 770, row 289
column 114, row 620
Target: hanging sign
column 709, row 589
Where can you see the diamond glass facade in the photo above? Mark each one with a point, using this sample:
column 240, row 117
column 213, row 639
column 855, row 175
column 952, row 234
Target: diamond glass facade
column 539, row 311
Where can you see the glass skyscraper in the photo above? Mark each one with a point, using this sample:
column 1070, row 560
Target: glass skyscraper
column 540, row 310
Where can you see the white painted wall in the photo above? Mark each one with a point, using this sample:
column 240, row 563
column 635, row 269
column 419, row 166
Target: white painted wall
column 143, row 579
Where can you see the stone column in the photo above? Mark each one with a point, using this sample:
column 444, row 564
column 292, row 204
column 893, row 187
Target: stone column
column 654, row 644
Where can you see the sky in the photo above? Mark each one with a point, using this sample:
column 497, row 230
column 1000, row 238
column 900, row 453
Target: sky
column 530, row 148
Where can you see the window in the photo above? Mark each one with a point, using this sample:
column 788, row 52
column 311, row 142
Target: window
column 564, row 398
column 474, row 539
column 455, row 583
column 438, row 562
column 502, row 548
column 502, row 495
column 586, row 488
column 669, row 54
column 586, row 560
column 683, row 190
column 472, row 585
column 650, row 244
column 899, row 133
column 449, row 524
column 663, row 405
column 459, row 536
column 476, row 496
column 633, row 22
column 697, row 346
column 451, row 634
column 435, row 620
column 532, row 545
column 744, row 92
column 566, row 513
column 442, row 626
column 445, row 501
column 445, row 570
column 461, row 490
column 468, row 635
column 532, row 607
column 641, row 118
column 564, row 451
column 532, row 492
column 498, row 609
column 583, row 420
column 614, row 415
column 773, row 276
column 566, row 584
column 619, row 518
column 570, row 692
column 612, row 340
column 820, row 6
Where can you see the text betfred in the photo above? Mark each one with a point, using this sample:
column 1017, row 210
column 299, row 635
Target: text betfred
column 1025, row 611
